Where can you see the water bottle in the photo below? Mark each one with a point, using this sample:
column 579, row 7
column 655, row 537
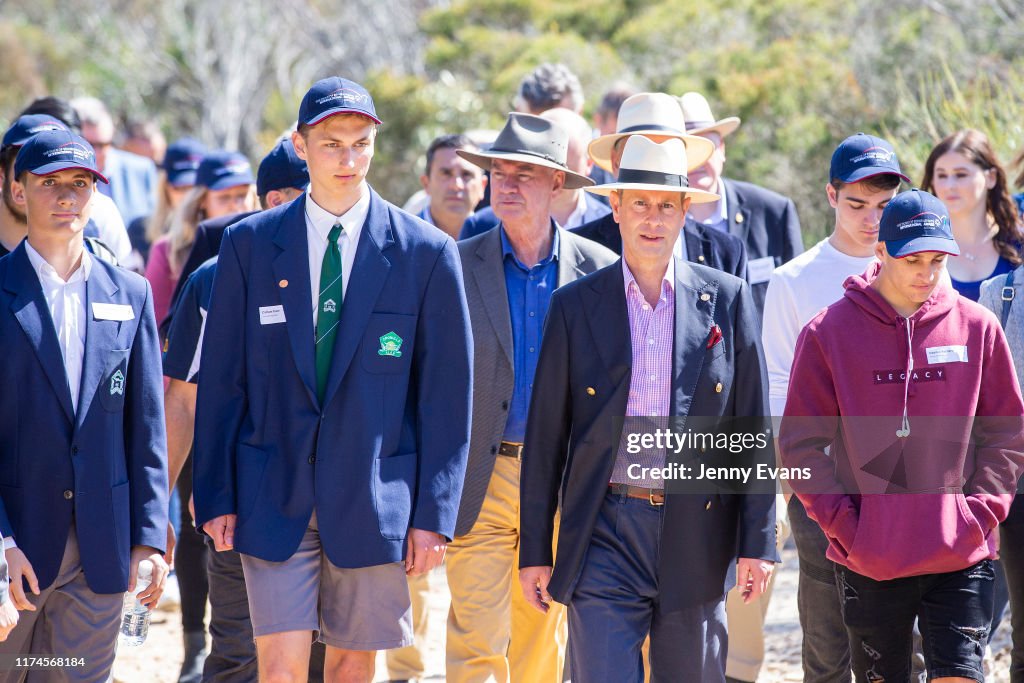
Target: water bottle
column 135, row 616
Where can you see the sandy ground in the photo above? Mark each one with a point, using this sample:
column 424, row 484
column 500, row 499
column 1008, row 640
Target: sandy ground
column 158, row 660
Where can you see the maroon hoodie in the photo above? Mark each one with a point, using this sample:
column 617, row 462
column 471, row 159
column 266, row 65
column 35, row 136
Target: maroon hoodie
column 924, row 425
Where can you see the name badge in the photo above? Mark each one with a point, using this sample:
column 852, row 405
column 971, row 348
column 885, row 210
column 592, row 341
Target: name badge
column 112, row 312
column 760, row 269
column 271, row 315
column 947, row 354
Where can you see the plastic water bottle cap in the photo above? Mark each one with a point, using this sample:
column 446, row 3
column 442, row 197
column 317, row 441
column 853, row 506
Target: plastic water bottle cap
column 146, row 570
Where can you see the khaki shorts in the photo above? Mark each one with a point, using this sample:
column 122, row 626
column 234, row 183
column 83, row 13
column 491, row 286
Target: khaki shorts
column 353, row 609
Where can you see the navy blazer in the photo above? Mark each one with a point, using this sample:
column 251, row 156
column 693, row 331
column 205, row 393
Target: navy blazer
column 705, row 246
column 575, row 422
column 767, row 223
column 386, row 450
column 484, row 219
column 106, row 464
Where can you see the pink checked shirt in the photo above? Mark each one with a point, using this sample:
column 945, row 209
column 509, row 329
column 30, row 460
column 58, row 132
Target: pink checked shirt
column 651, row 333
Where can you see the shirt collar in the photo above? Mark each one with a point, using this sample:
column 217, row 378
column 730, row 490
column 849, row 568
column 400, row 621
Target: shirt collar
column 506, row 248
column 576, row 217
column 668, row 282
column 44, row 269
column 352, row 220
column 723, row 206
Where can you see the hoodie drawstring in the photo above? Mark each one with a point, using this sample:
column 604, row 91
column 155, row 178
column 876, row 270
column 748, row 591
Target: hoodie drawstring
column 904, row 430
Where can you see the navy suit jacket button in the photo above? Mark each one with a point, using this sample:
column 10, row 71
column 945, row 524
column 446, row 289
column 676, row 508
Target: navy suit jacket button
column 69, row 494
column 312, row 459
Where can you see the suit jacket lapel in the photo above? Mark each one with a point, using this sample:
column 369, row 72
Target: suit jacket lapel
column 292, row 265
column 569, row 258
column 609, row 324
column 693, row 320
column 369, row 271
column 739, row 216
column 489, row 275
column 100, row 337
column 30, row 309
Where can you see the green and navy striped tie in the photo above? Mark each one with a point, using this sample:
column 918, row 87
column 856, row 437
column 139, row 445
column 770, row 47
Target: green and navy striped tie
column 329, row 311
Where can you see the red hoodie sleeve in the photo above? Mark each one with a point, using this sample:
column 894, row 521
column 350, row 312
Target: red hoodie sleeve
column 809, row 426
column 998, row 435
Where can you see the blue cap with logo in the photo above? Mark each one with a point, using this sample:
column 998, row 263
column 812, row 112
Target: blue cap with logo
column 863, row 156
column 56, row 150
column 280, row 169
column 335, row 95
column 220, row 170
column 181, row 161
column 24, row 127
column 916, row 221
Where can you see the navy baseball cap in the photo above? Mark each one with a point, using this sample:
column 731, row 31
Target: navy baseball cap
column 181, row 161
column 335, row 95
column 916, row 221
column 56, row 150
column 24, row 127
column 220, row 170
column 863, row 156
column 280, row 169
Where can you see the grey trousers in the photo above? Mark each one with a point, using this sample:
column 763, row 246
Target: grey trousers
column 70, row 621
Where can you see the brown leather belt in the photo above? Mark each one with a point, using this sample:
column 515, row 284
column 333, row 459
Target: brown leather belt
column 511, row 450
column 652, row 496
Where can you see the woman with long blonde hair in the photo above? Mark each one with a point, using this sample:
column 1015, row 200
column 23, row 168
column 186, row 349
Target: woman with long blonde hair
column 224, row 185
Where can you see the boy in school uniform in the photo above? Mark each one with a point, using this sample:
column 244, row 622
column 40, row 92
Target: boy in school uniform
column 83, row 465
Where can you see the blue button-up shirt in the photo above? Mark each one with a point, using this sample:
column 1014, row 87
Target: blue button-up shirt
column 529, row 293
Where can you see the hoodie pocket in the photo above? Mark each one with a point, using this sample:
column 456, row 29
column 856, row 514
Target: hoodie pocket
column 901, row 535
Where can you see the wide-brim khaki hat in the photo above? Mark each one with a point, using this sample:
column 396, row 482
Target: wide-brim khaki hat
column 651, row 113
column 649, row 165
column 699, row 119
column 533, row 140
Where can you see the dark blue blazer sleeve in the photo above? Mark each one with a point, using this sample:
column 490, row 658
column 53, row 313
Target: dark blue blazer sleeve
column 145, row 436
column 222, row 399
column 444, row 381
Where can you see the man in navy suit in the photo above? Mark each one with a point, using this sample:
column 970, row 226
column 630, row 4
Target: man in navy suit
column 649, row 337
column 332, row 419
column 83, row 471
column 765, row 221
column 657, row 116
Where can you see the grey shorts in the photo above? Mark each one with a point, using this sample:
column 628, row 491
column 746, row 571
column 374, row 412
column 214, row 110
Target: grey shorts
column 353, row 609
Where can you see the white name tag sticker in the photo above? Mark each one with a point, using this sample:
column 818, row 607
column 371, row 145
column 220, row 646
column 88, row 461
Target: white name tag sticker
column 112, row 312
column 271, row 315
column 947, row 354
column 760, row 270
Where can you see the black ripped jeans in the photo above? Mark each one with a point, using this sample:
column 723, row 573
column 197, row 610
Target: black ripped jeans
column 954, row 612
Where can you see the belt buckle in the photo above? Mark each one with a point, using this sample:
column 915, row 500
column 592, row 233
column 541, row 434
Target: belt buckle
column 650, row 498
column 1007, row 294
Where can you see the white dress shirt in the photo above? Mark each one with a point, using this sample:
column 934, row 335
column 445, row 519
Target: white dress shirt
column 319, row 222
column 66, row 303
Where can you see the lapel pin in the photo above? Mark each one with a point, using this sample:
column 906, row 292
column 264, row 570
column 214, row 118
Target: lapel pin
column 591, row 391
column 282, row 284
column 705, row 297
column 718, row 388
column 739, row 217
column 701, row 258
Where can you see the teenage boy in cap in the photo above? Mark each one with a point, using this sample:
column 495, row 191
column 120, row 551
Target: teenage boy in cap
column 765, row 221
column 332, row 418
column 626, row 564
column 232, row 655
column 13, row 224
column 864, row 176
column 493, row 634
column 911, row 497
column 84, row 500
column 657, row 116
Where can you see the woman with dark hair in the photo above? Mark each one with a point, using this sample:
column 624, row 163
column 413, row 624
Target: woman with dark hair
column 963, row 171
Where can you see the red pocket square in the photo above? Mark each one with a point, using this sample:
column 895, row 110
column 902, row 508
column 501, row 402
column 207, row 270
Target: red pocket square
column 715, row 337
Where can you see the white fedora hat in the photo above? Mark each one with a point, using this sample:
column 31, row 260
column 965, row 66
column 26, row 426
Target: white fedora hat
column 649, row 165
column 531, row 140
column 699, row 118
column 651, row 113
